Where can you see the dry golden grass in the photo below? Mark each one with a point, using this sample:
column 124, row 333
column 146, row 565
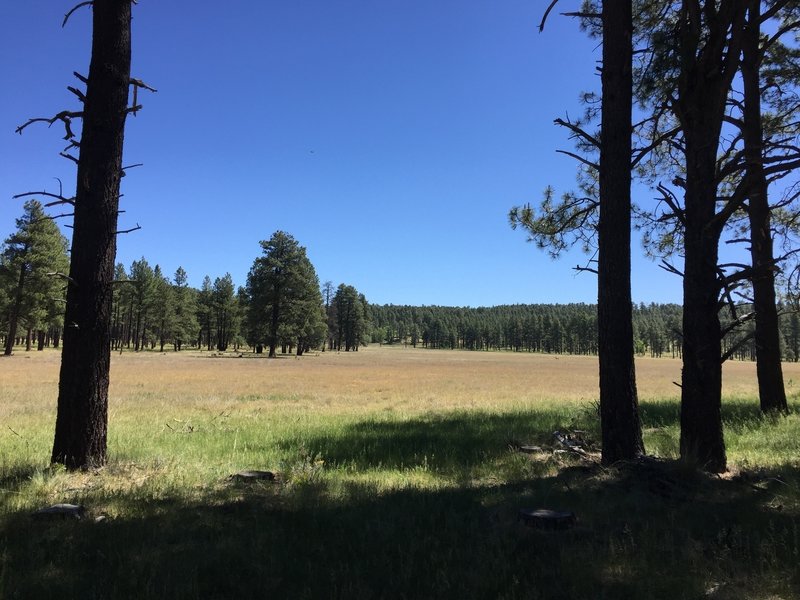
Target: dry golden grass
column 374, row 379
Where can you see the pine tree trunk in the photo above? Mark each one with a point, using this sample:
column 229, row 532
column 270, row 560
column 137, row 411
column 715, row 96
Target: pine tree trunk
column 619, row 407
column 81, row 422
column 771, row 391
column 14, row 318
column 701, row 439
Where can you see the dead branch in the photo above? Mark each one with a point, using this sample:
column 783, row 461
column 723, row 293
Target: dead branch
column 81, row 96
column 138, row 83
column 672, row 201
column 580, row 159
column 578, row 132
column 59, row 198
column 733, row 349
column 132, row 229
column 73, row 9
column 68, row 156
column 63, row 276
column 547, row 12
column 54, row 217
column 669, row 268
column 81, row 77
column 65, row 116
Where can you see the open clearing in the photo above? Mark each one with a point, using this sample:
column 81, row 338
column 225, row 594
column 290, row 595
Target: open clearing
column 398, row 476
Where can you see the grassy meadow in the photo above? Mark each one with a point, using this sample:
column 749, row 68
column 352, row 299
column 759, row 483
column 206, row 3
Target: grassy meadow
column 398, row 476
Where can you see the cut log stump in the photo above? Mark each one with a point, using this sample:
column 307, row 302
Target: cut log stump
column 549, row 520
column 60, row 511
column 251, row 476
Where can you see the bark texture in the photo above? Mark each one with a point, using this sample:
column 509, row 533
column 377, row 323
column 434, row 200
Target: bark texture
column 81, row 422
column 619, row 407
column 709, row 46
column 771, row 391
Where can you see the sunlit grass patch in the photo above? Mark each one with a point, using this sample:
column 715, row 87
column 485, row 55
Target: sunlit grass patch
column 398, row 474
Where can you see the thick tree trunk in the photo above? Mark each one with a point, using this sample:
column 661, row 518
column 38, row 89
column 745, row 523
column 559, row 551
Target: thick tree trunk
column 701, row 440
column 771, row 391
column 619, row 407
column 709, row 51
column 81, row 423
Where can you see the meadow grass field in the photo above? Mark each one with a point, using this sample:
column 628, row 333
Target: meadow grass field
column 399, row 475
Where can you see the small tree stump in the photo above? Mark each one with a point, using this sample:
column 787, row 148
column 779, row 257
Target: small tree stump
column 60, row 511
column 550, row 520
column 250, row 476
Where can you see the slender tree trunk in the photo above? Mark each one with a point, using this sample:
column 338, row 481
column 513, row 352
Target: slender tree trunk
column 14, row 318
column 619, row 406
column 82, row 417
column 771, row 391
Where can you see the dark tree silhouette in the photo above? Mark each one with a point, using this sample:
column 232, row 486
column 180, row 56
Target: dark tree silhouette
column 619, row 407
column 81, row 422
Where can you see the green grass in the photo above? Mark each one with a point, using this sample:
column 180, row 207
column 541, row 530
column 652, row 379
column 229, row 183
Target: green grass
column 388, row 505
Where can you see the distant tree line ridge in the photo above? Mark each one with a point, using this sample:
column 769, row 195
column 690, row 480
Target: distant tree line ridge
column 556, row 329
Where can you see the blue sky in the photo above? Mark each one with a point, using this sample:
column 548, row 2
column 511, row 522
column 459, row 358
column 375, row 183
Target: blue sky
column 389, row 137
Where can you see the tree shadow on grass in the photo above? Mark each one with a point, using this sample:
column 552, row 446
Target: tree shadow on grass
column 644, row 531
column 445, row 444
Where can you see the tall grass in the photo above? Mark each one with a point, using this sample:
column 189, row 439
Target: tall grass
column 399, row 476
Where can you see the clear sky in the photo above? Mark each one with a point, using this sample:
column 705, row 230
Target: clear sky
column 389, row 137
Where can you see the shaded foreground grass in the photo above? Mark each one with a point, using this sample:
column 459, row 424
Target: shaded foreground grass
column 380, row 503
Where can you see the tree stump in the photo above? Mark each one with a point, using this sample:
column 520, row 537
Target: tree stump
column 250, row 476
column 60, row 511
column 549, row 520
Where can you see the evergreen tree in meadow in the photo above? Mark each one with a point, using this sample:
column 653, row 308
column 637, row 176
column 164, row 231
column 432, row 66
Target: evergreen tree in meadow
column 186, row 326
column 350, row 318
column 31, row 259
column 284, row 299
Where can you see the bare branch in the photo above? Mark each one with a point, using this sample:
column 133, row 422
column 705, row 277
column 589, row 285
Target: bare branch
column 578, row 132
column 81, row 96
column 582, row 15
column 54, row 217
column 733, row 349
column 68, row 156
column 580, row 159
column 132, row 229
column 64, row 116
column 59, row 198
column 73, row 9
column 63, row 276
column 138, row 83
column 669, row 268
column 547, row 12
column 81, row 77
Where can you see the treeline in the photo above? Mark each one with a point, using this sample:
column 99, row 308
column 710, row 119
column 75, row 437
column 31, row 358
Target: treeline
column 557, row 329
column 282, row 308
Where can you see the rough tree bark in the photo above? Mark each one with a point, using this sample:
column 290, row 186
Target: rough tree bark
column 709, row 40
column 619, row 407
column 81, row 422
column 771, row 391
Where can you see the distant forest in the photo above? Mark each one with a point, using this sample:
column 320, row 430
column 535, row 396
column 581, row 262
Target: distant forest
column 557, row 329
